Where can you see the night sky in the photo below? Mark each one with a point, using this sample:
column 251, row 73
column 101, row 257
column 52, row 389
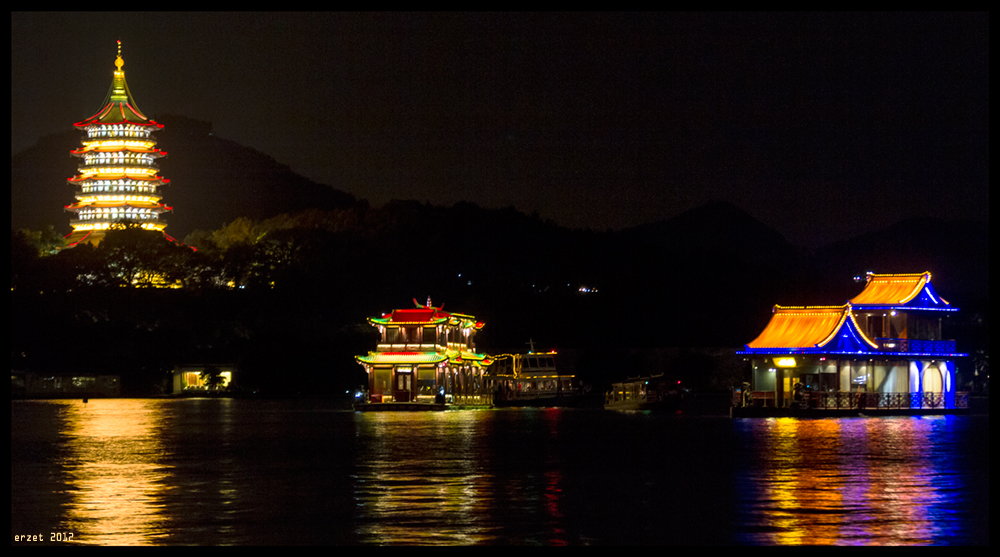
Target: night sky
column 821, row 126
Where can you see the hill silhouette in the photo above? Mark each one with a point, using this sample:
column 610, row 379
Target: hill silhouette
column 212, row 181
column 707, row 277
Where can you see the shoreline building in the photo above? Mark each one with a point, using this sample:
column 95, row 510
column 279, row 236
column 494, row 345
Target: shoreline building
column 882, row 350
column 118, row 178
column 426, row 356
column 192, row 379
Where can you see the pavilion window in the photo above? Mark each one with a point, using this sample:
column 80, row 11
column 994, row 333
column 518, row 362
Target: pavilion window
column 426, row 381
column 392, row 335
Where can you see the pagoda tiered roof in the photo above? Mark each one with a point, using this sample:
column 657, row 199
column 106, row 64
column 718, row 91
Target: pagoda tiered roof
column 812, row 329
column 117, row 149
column 835, row 330
column 150, row 177
column 118, row 112
column 452, row 356
column 911, row 291
column 426, row 315
column 118, row 106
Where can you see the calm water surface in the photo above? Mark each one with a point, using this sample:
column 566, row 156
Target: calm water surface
column 206, row 471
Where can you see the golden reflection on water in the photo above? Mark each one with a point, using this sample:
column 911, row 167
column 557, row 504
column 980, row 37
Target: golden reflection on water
column 848, row 482
column 401, row 502
column 113, row 471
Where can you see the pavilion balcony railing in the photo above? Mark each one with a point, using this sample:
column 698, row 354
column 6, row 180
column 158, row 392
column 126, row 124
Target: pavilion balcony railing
column 916, row 345
column 408, row 347
column 845, row 400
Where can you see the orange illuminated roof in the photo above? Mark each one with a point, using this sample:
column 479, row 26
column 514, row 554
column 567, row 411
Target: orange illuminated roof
column 891, row 289
column 801, row 327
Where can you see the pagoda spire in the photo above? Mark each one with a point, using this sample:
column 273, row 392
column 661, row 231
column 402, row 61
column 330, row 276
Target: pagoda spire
column 118, row 179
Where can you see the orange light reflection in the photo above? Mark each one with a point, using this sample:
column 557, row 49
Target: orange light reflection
column 114, row 473
column 876, row 489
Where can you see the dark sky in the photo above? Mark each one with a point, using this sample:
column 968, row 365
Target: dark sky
column 821, row 126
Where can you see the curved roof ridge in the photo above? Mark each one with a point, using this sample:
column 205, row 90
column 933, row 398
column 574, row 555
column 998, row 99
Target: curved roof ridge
column 809, row 327
column 899, row 290
column 119, row 97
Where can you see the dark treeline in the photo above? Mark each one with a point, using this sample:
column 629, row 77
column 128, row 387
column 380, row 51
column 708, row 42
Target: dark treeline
column 287, row 297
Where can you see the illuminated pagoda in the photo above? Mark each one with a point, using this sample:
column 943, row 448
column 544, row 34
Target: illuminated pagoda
column 425, row 358
column 118, row 178
column 882, row 350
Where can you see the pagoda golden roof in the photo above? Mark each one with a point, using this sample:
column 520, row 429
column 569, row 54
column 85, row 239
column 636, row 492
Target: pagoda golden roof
column 119, row 107
column 803, row 327
column 893, row 289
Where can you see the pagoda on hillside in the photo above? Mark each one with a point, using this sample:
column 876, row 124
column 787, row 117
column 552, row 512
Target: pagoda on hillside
column 118, row 178
column 425, row 359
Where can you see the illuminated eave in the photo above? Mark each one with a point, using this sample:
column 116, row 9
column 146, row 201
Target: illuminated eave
column 904, row 308
column 99, row 224
column 811, row 327
column 153, row 207
column 115, row 113
column 902, row 291
column 158, row 207
column 148, row 177
column 111, row 200
column 118, row 142
column 858, row 353
column 462, row 355
column 118, row 149
column 853, row 329
column 147, row 181
column 388, row 322
column 401, row 358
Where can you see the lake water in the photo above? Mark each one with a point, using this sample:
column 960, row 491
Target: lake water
column 257, row 472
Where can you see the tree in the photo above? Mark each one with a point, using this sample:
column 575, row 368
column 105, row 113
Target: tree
column 211, row 377
column 142, row 258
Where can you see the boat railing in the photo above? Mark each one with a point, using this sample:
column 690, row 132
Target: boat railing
column 945, row 346
column 832, row 400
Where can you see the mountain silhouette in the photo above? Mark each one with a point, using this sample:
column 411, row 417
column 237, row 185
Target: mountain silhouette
column 212, row 181
column 715, row 265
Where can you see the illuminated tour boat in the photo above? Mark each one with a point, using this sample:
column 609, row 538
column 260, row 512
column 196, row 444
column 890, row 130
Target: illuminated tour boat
column 426, row 359
column 533, row 379
column 880, row 353
column 118, row 178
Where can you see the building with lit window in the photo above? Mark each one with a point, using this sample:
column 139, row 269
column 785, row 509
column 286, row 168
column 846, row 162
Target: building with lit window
column 64, row 385
column 881, row 351
column 194, row 379
column 117, row 180
column 425, row 359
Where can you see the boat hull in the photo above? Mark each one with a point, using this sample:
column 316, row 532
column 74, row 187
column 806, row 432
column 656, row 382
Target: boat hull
column 666, row 405
column 772, row 412
column 398, row 407
column 563, row 401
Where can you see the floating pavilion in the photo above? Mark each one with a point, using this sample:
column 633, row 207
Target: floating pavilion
column 881, row 352
column 425, row 359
